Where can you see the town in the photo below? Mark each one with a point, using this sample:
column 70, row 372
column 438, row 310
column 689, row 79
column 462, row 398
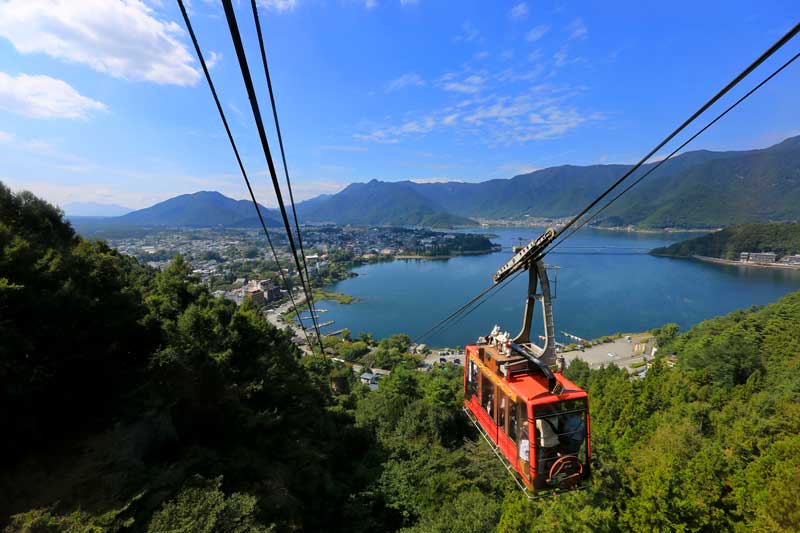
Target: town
column 237, row 263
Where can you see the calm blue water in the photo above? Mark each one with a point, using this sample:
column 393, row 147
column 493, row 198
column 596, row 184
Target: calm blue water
column 607, row 283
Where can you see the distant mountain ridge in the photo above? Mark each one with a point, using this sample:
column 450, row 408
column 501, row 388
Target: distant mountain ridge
column 379, row 203
column 699, row 189
column 200, row 209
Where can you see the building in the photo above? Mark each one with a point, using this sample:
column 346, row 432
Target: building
column 368, row 378
column 255, row 295
column 273, row 293
column 265, row 284
column 791, row 259
column 757, row 257
column 762, row 257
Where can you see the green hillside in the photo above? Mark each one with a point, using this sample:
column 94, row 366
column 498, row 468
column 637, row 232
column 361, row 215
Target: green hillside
column 380, row 204
column 700, row 189
column 204, row 208
column 783, row 239
column 133, row 400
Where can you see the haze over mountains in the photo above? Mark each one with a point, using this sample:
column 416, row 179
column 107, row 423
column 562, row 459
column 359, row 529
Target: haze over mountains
column 700, row 189
column 94, row 209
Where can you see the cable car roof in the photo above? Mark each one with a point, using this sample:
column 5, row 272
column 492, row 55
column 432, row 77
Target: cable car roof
column 530, row 387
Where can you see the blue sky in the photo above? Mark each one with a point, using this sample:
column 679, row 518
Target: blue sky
column 103, row 100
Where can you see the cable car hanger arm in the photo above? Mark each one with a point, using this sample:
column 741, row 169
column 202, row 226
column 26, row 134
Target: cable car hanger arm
column 523, row 257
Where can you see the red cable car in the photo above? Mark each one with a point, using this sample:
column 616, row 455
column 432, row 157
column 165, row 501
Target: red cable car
column 535, row 419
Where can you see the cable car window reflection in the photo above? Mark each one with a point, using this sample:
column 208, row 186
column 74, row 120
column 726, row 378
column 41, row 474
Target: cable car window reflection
column 502, row 404
column 487, row 395
column 524, row 448
column 512, row 421
column 472, row 379
column 560, row 431
column 547, row 430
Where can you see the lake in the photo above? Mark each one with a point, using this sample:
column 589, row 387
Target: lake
column 606, row 283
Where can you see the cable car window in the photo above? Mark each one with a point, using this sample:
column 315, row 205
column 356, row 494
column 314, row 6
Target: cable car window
column 560, row 432
column 487, row 395
column 512, row 421
column 472, row 380
column 502, row 405
column 524, row 445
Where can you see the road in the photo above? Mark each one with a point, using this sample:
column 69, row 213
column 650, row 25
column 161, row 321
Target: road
column 598, row 355
column 274, row 316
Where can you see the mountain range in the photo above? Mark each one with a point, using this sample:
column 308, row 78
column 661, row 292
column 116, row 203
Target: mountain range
column 699, row 189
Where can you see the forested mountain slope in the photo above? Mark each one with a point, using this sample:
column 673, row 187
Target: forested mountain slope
column 132, row 400
column 783, row 239
column 700, row 189
column 204, row 208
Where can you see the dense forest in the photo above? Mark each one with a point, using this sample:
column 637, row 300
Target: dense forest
column 781, row 238
column 133, row 400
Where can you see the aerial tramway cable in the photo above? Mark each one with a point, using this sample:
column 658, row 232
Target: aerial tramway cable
column 248, row 81
column 468, row 307
column 722, row 92
column 311, row 305
column 241, row 165
column 678, row 149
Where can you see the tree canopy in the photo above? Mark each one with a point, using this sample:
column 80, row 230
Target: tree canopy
column 134, row 400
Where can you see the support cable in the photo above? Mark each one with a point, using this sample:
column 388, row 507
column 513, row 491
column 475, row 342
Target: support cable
column 678, row 149
column 763, row 57
column 241, row 165
column 283, row 157
column 248, row 81
column 735, row 81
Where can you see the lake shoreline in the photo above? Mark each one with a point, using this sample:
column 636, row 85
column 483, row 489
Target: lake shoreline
column 627, row 229
column 597, row 294
column 717, row 260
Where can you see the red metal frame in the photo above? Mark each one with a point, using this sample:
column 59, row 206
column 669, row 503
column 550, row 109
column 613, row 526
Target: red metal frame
column 528, row 388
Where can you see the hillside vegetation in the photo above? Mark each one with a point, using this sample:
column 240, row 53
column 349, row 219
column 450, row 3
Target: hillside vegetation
column 783, row 239
column 132, row 400
column 700, row 189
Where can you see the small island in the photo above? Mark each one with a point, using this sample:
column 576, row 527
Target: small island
column 771, row 245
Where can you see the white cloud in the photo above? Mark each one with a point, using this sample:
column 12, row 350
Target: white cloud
column 408, row 2
column 577, row 29
column 44, row 97
column 537, row 33
column 541, row 112
column 470, row 84
column 369, row 4
column 406, row 80
column 6, row 137
column 483, row 54
column 212, row 59
column 278, row 5
column 519, row 11
column 122, row 38
column 450, row 119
